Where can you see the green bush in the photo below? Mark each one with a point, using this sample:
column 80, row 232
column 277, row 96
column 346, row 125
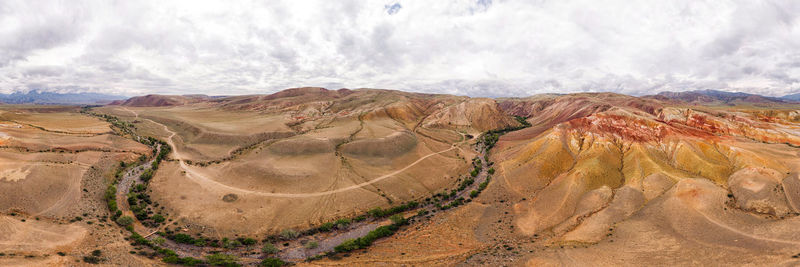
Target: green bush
column 326, row 227
column 248, row 241
column 222, row 260
column 269, row 248
column 227, row 243
column 125, row 220
column 311, row 245
column 139, row 240
column 491, row 170
column 183, row 238
column 398, row 219
column 347, row 245
column 342, row 223
column 91, row 259
column 189, row 261
column 473, row 194
column 159, row 218
column 272, row 262
column 289, row 234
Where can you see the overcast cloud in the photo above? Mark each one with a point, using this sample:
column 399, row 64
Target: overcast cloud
column 465, row 47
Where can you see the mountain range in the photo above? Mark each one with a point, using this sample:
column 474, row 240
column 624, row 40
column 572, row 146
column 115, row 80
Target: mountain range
column 51, row 98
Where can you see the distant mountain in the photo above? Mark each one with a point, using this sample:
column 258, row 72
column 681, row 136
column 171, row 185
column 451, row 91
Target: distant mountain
column 792, row 97
column 717, row 97
column 40, row 97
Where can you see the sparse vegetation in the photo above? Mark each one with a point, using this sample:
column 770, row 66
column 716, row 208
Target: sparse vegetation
column 367, row 240
column 289, row 234
column 269, row 248
column 225, row 260
column 311, row 245
column 272, row 262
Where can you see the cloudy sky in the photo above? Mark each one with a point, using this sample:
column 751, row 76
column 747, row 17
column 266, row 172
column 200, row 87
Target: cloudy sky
column 465, row 47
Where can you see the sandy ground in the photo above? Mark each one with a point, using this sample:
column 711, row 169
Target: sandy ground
column 54, row 168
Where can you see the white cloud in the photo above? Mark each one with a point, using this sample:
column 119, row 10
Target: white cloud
column 475, row 47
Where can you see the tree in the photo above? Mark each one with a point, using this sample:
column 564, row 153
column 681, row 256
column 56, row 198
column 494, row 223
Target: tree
column 125, row 220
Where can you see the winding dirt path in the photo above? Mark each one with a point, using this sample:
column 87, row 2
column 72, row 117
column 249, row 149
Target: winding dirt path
column 207, row 182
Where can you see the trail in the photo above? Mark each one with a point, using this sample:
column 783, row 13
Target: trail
column 205, row 181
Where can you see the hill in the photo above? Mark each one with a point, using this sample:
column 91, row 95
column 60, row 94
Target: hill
column 323, row 177
column 792, row 97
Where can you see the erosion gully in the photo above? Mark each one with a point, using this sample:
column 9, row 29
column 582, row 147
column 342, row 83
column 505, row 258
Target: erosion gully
column 290, row 250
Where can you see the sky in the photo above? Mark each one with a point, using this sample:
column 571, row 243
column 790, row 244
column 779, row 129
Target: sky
column 491, row 48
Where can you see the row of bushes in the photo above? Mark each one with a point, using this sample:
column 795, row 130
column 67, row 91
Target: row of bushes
column 110, row 195
column 380, row 213
column 139, row 200
column 369, row 238
column 489, row 139
column 123, row 126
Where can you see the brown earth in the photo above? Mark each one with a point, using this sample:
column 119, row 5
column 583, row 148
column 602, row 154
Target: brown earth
column 55, row 164
column 598, row 178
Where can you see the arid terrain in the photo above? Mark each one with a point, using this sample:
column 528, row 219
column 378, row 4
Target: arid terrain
column 311, row 176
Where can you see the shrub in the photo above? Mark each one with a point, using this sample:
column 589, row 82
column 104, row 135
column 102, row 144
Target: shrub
column 159, row 240
column 111, row 192
column 491, row 170
column 312, row 245
column 187, row 261
column 138, row 239
column 289, row 234
column 97, row 253
column 398, row 219
column 231, row 244
column 139, row 187
column 376, row 212
column 159, row 218
column 125, row 220
column 248, row 241
column 342, row 223
column 91, row 259
column 473, row 194
column 170, row 259
column 183, row 238
column 326, row 227
column 269, row 248
column 222, row 260
column 272, row 262
column 347, row 245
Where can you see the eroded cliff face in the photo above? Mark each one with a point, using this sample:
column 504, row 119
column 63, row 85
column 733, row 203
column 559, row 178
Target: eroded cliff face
column 593, row 170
